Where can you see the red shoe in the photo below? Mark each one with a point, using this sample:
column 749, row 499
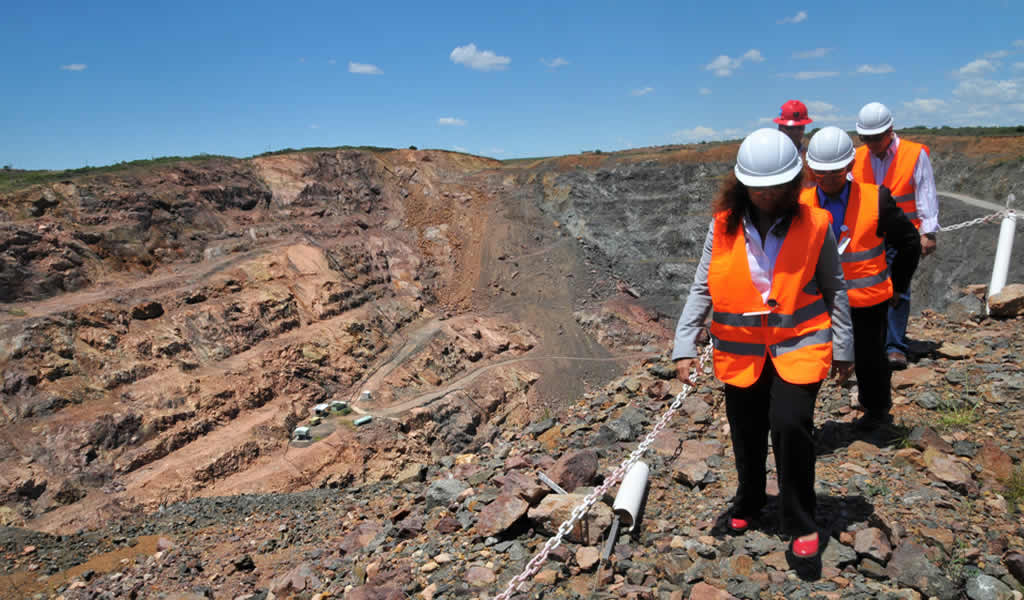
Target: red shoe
column 806, row 548
column 738, row 525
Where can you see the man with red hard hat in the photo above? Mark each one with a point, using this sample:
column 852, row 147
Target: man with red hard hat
column 791, row 121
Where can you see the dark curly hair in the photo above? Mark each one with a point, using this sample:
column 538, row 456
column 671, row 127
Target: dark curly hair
column 733, row 198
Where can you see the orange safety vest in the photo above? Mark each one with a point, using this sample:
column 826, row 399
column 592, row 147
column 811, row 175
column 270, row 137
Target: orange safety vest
column 863, row 256
column 793, row 326
column 899, row 178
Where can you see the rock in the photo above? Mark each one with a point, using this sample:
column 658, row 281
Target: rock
column 244, row 563
column 147, row 310
column 912, row 377
column 526, row 486
column 443, row 492
column 500, row 514
column 965, row 309
column 301, row 578
column 954, row 351
column 995, row 463
column 923, row 438
column 986, row 587
column 950, row 471
column 412, row 473
column 690, row 472
column 1014, row 561
column 704, row 591
column 836, row 555
column 1009, row 302
column 554, row 509
column 376, row 592
column 872, row 542
column 587, row 557
column 478, row 576
column 575, row 469
column 909, row 566
column 697, row 409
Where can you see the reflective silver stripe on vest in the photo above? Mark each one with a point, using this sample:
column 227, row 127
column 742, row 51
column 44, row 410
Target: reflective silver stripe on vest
column 912, row 215
column 820, row 336
column 738, row 348
column 863, row 282
column 736, row 319
column 806, row 313
column 863, row 254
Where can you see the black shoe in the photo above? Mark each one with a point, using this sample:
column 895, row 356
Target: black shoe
column 897, row 361
column 872, row 421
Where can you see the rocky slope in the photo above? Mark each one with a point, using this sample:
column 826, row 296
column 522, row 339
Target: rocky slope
column 165, row 330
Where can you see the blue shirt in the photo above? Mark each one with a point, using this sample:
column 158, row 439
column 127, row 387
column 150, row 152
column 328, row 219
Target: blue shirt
column 837, row 206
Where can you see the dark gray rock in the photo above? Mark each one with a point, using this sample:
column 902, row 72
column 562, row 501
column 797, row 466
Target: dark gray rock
column 910, row 567
column 986, row 587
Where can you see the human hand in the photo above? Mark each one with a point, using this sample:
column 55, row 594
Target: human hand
column 928, row 244
column 894, row 300
column 841, row 370
column 683, row 368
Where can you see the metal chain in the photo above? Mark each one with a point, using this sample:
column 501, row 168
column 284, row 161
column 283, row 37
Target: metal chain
column 986, row 219
column 538, row 559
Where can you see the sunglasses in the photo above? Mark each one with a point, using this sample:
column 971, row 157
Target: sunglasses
column 872, row 138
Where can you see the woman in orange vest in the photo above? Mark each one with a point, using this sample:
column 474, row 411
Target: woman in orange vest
column 865, row 220
column 771, row 279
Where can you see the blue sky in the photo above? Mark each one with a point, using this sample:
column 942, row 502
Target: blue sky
column 94, row 83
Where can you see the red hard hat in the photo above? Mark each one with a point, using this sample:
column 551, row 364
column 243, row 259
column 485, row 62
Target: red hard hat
column 793, row 113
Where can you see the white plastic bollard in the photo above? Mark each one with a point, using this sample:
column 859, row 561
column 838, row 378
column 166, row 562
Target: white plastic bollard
column 631, row 494
column 1004, row 249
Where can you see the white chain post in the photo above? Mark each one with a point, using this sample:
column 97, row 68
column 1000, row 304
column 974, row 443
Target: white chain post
column 1004, row 248
column 534, row 565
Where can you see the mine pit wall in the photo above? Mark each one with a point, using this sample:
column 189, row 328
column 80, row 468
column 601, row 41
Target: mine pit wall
column 648, row 220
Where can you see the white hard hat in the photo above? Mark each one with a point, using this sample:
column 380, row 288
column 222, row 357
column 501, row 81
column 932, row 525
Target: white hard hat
column 873, row 118
column 830, row 149
column 767, row 157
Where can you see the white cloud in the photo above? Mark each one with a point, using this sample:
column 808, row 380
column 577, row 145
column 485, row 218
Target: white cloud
column 314, row 126
column 976, row 67
column 723, row 66
column 753, row 55
column 1018, row 44
column 496, row 151
column 332, row 61
column 928, row 105
column 460, row 149
column 361, row 69
column 810, row 74
column 696, row 134
column 485, row 60
column 1017, row 66
column 74, row 67
column 875, row 69
column 997, row 54
column 797, row 18
column 989, row 90
column 555, row 62
column 704, row 92
column 451, row 121
column 816, row 53
column 817, row 106
column 642, row 91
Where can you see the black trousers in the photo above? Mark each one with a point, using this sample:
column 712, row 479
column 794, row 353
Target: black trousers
column 874, row 389
column 787, row 410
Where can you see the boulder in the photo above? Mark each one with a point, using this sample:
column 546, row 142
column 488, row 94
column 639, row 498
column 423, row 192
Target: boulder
column 1009, row 302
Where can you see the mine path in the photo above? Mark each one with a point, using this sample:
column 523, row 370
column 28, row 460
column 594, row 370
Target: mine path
column 972, row 201
column 460, row 383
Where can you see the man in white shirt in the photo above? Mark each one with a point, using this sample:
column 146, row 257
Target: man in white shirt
column 906, row 169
